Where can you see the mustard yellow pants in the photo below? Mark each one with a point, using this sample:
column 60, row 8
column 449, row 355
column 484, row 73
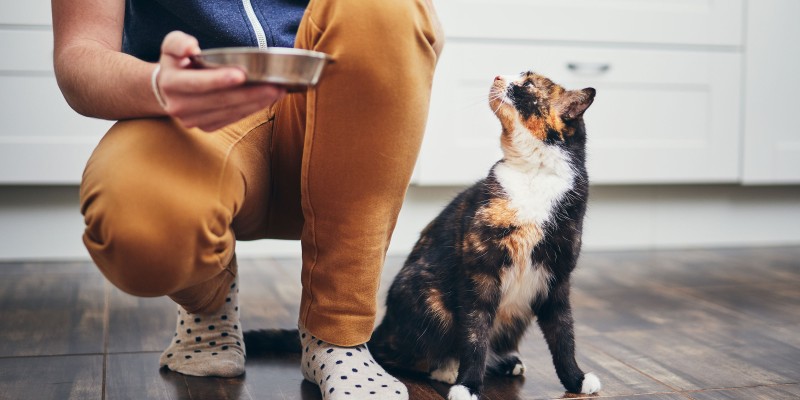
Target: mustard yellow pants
column 164, row 205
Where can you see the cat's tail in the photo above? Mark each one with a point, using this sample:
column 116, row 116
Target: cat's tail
column 265, row 341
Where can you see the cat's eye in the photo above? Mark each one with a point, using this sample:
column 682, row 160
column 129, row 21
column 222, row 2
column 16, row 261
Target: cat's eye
column 527, row 84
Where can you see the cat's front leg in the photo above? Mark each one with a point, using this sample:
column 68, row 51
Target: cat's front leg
column 555, row 320
column 477, row 313
column 472, row 360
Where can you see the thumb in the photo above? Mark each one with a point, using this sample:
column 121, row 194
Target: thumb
column 176, row 48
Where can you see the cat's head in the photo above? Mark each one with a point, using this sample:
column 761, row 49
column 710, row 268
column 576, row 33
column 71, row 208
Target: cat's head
column 532, row 105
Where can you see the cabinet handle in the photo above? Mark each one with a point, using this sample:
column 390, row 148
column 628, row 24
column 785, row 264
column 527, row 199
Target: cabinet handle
column 584, row 68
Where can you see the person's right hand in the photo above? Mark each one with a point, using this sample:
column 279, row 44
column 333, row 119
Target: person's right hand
column 206, row 98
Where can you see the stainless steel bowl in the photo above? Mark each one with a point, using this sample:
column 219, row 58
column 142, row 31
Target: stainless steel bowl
column 293, row 69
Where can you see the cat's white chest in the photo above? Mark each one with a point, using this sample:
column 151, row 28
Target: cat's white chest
column 534, row 189
column 520, row 286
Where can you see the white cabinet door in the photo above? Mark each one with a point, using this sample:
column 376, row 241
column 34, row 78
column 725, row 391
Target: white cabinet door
column 772, row 130
column 28, row 12
column 26, row 51
column 699, row 22
column 42, row 140
column 660, row 116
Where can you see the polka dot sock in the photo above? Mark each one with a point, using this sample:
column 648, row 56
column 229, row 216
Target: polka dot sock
column 208, row 344
column 347, row 372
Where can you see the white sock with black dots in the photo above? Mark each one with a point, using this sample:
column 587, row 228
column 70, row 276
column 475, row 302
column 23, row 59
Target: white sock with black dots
column 347, row 372
column 208, row 344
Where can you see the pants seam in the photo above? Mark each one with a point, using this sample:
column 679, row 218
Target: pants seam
column 306, row 198
column 221, row 179
column 308, row 213
column 272, row 167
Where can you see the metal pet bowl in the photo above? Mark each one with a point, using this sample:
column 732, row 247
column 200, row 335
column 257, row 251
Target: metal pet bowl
column 293, row 69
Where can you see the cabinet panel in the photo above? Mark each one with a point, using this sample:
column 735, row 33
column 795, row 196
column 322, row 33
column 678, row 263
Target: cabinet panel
column 659, row 116
column 702, row 22
column 29, row 12
column 42, row 140
column 772, row 131
column 26, row 50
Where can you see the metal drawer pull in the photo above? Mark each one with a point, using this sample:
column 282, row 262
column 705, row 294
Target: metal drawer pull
column 589, row 68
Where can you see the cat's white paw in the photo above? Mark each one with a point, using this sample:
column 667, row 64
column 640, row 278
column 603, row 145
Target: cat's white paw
column 460, row 392
column 447, row 373
column 591, row 384
column 519, row 369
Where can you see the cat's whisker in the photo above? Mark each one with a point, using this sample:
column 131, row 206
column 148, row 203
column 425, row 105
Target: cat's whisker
column 483, row 99
column 498, row 108
column 475, row 103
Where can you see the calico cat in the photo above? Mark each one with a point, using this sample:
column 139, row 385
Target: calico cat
column 501, row 253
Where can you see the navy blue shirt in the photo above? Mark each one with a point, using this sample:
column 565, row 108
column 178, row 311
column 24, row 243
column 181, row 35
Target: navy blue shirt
column 221, row 23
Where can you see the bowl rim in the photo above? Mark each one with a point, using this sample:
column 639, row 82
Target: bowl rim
column 268, row 51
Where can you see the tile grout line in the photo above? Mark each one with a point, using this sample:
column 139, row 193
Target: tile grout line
column 106, row 329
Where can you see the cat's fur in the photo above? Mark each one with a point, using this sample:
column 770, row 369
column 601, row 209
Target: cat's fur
column 501, row 253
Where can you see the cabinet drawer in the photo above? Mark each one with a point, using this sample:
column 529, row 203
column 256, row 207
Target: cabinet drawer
column 659, row 116
column 26, row 50
column 42, row 140
column 30, row 12
column 697, row 22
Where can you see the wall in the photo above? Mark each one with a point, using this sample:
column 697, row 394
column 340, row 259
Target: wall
column 45, row 222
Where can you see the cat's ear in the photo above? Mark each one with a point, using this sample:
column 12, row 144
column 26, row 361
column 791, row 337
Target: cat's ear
column 572, row 104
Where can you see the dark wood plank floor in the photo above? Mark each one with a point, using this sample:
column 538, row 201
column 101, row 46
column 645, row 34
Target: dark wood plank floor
column 698, row 324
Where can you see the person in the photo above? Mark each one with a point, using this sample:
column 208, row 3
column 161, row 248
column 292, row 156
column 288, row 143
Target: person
column 198, row 160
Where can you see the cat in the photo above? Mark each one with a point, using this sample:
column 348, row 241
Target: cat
column 500, row 254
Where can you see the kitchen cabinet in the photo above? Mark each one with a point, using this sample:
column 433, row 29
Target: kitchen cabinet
column 660, row 116
column 693, row 22
column 42, row 140
column 689, row 91
column 30, row 13
column 668, row 76
column 771, row 127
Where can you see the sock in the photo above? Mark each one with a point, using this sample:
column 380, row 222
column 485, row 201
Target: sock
column 208, row 344
column 346, row 372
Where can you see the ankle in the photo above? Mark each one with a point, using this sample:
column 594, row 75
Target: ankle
column 208, row 344
column 345, row 372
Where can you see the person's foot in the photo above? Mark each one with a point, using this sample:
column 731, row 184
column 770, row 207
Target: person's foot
column 208, row 344
column 346, row 372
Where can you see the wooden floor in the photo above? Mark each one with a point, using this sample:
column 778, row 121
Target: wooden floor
column 711, row 324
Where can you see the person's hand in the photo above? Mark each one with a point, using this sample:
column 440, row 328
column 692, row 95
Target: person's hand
column 206, row 98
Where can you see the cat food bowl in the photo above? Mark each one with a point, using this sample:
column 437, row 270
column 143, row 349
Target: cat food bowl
column 293, row 69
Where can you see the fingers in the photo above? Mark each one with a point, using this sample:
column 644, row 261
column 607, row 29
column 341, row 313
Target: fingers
column 206, row 98
column 190, row 81
column 194, row 104
column 205, row 112
column 221, row 118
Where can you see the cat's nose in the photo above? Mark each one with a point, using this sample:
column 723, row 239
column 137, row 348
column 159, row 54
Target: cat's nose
column 498, row 78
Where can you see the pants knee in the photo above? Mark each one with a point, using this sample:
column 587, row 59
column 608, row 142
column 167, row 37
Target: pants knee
column 156, row 251
column 383, row 29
